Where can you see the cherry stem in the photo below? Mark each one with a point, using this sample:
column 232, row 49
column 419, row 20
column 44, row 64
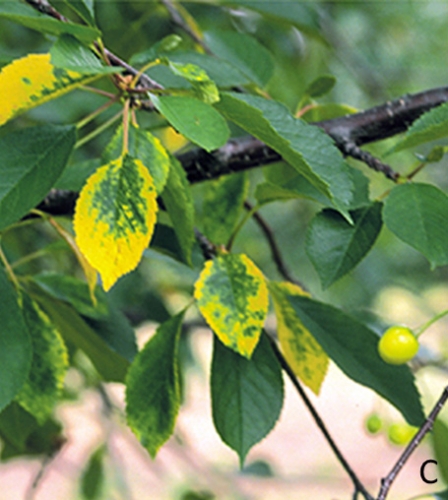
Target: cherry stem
column 426, row 325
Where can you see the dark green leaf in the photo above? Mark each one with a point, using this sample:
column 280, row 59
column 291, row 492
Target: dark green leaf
column 244, row 52
column 306, row 148
column 27, row 16
column 223, row 203
column 21, row 435
column 153, row 388
column 92, row 480
column 335, row 247
column 31, row 159
column 69, row 53
column 320, row 86
column 15, row 344
column 353, row 347
column 418, row 214
column 76, row 174
column 196, row 120
column 178, row 202
column 247, row 395
column 116, row 331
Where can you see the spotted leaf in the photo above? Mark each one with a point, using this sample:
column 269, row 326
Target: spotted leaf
column 45, row 382
column 232, row 297
column 115, row 216
column 31, row 81
column 302, row 351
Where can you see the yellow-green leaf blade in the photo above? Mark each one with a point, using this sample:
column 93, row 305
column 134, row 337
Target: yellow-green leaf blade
column 232, row 296
column 302, row 351
column 44, row 385
column 115, row 217
column 31, row 81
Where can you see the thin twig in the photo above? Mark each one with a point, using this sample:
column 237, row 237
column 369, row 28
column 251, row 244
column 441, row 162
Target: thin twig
column 275, row 250
column 359, row 487
column 386, row 482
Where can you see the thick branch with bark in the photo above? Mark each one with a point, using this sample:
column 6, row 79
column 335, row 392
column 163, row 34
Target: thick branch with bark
column 348, row 132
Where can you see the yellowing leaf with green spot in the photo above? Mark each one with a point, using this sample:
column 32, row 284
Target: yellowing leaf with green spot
column 49, row 365
column 302, row 351
column 232, row 296
column 115, row 216
column 32, row 80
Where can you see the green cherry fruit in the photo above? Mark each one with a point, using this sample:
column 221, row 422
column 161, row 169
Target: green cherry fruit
column 401, row 434
column 398, row 345
column 373, row 423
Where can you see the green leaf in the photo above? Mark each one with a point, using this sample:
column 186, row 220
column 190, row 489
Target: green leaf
column 196, row 120
column 153, row 388
column 110, row 365
column 205, row 88
column 31, row 159
column 429, row 127
column 335, row 247
column 221, row 72
column 305, row 147
column 76, row 174
column 75, row 292
column 15, row 344
column 27, row 16
column 320, row 86
column 166, row 44
column 115, row 216
column 244, row 52
column 147, row 148
column 22, row 436
column 247, row 395
column 299, row 14
column 223, row 203
column 116, row 331
column 85, row 10
column 303, row 353
column 178, row 202
column 70, row 54
column 92, row 480
column 353, row 347
column 232, row 296
column 418, row 214
column 439, row 437
column 45, row 381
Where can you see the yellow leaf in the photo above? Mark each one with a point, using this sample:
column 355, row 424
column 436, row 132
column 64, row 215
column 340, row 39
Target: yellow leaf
column 301, row 350
column 115, row 216
column 32, row 80
column 233, row 298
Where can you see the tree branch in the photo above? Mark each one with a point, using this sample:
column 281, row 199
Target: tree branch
column 386, row 482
